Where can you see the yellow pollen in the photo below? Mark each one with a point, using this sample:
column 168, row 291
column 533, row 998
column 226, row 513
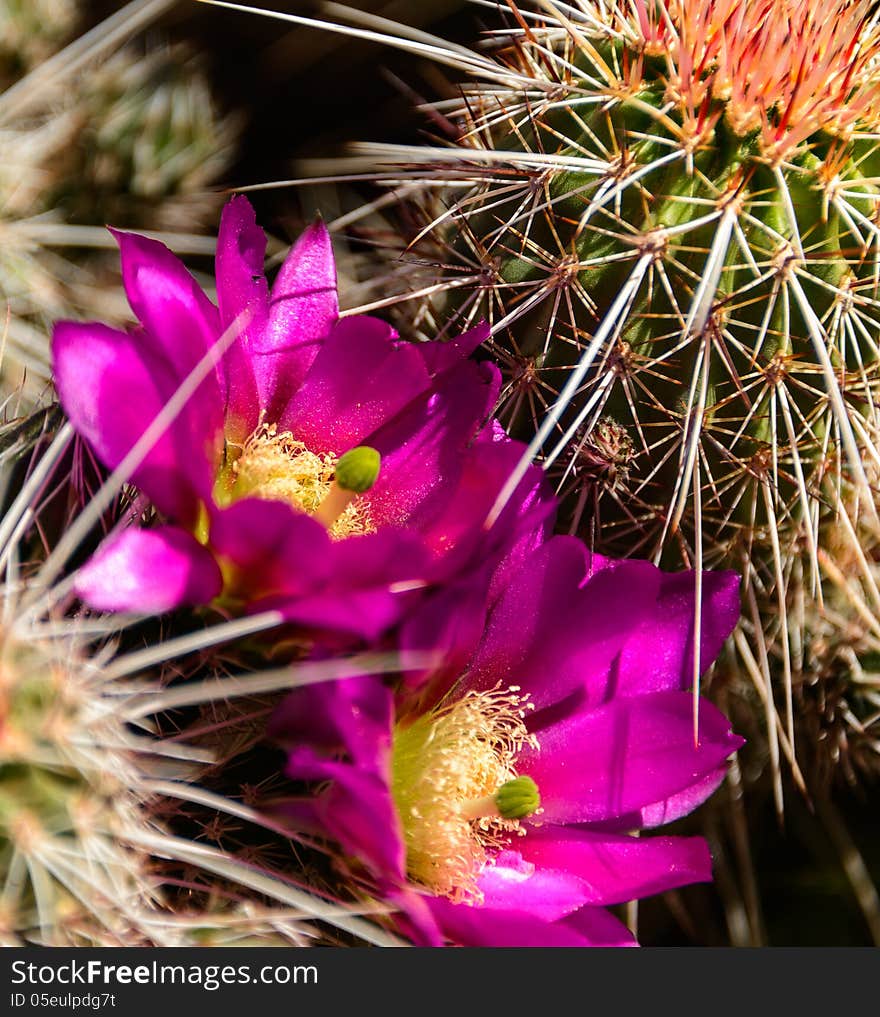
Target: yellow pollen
column 444, row 762
column 276, row 466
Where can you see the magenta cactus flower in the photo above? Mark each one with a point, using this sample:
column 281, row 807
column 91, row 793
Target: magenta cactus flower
column 495, row 807
column 322, row 467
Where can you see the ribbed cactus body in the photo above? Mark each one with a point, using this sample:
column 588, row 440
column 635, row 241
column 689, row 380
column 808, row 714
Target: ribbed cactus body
column 732, row 372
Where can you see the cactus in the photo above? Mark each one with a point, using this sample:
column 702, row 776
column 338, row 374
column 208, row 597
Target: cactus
column 124, row 137
column 669, row 214
column 68, row 800
column 73, row 799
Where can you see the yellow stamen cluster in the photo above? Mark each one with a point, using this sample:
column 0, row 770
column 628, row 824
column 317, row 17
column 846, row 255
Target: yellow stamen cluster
column 276, row 466
column 444, row 762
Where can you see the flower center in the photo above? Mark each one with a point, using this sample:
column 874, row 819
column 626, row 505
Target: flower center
column 456, row 788
column 276, row 466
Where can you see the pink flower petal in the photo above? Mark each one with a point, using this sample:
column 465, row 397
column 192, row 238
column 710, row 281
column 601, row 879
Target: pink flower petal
column 340, row 732
column 241, row 290
column 278, row 559
column 356, row 809
column 149, row 572
column 112, row 387
column 303, row 307
column 272, row 547
column 466, row 925
column 660, row 653
column 457, row 531
column 179, row 321
column 612, row 869
column 446, row 627
column 425, row 446
column 441, row 356
column 552, row 634
column 360, row 378
column 599, row 928
column 598, row 764
column 511, row 883
column 353, row 715
column 682, row 803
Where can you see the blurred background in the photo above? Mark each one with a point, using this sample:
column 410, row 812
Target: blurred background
column 306, row 93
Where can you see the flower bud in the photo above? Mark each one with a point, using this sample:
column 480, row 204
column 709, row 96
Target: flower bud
column 518, row 798
column 358, row 469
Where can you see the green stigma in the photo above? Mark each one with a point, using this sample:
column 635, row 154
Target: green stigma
column 358, row 469
column 518, row 798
